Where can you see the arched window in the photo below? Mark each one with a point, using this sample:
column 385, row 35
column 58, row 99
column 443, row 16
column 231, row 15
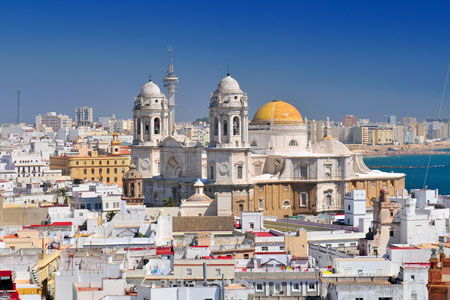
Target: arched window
column 225, row 127
column 147, row 127
column 211, row 168
column 293, row 143
column 236, row 126
column 329, row 202
column 216, row 126
column 156, row 126
column 132, row 189
column 139, row 126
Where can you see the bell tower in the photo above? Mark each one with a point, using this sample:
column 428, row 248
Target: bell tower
column 132, row 187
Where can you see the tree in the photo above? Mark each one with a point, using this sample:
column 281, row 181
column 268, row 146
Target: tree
column 169, row 202
column 110, row 215
column 62, row 192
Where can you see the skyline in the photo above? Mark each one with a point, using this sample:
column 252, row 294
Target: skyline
column 324, row 58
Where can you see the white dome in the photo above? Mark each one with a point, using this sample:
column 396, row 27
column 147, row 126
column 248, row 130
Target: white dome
column 229, row 85
column 150, row 89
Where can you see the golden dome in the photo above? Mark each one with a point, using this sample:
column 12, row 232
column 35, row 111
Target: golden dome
column 277, row 112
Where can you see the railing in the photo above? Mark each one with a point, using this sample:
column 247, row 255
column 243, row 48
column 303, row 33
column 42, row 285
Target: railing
column 321, row 225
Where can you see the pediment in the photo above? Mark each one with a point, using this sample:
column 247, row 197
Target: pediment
column 170, row 142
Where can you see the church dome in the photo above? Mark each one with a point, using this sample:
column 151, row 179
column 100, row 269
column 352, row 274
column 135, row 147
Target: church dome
column 330, row 145
column 150, row 89
column 229, row 85
column 277, row 112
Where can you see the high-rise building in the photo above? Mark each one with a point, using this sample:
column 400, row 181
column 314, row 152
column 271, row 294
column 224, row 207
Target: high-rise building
column 54, row 121
column 349, row 120
column 84, row 116
column 391, row 119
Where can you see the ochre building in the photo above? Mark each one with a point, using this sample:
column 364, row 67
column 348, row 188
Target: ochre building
column 95, row 168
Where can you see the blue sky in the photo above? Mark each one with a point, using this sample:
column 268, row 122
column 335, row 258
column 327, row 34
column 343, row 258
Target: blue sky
column 328, row 58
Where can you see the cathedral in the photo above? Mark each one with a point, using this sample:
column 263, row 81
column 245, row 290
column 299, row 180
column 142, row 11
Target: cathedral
column 260, row 164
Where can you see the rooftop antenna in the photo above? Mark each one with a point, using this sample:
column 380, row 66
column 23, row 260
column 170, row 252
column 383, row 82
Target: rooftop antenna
column 18, row 106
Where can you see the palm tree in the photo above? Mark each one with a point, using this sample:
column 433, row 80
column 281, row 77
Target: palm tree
column 62, row 192
column 169, row 202
column 110, row 215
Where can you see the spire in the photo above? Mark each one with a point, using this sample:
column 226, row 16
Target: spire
column 170, row 66
column 228, row 70
column 149, row 78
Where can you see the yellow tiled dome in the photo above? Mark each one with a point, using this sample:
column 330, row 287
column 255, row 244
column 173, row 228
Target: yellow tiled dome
column 279, row 113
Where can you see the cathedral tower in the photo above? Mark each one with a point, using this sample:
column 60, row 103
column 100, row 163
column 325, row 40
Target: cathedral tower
column 228, row 151
column 170, row 82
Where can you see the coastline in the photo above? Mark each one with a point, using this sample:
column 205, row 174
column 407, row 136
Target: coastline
column 434, row 148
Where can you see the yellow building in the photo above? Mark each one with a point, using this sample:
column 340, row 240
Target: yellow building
column 381, row 136
column 93, row 167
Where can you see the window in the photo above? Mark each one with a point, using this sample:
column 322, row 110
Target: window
column 217, row 272
column 311, row 286
column 293, row 143
column 239, row 172
column 286, row 204
column 147, row 127
column 295, row 287
column 413, row 277
column 392, row 213
column 261, row 188
column 188, row 271
column 76, row 162
column 88, row 206
column 107, row 205
column 265, row 248
column 246, row 256
column 156, row 124
column 211, row 172
column 259, row 287
column 303, row 199
column 261, row 204
column 348, row 207
column 304, row 172
column 258, row 169
column 92, row 162
column 216, row 126
column 241, row 207
column 391, row 232
column 277, row 288
column 236, row 126
column 341, row 245
column 107, row 179
column 100, row 162
column 115, row 170
column 253, row 144
column 107, row 171
column 372, row 183
column 115, row 179
column 138, row 126
column 225, row 127
column 92, row 171
column 285, row 187
column 85, row 171
column 100, row 171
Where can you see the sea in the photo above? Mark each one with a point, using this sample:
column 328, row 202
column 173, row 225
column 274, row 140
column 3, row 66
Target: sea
column 415, row 166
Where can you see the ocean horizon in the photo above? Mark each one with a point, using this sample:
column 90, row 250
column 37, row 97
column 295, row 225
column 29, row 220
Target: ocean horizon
column 415, row 167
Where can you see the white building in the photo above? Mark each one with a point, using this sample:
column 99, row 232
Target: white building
column 53, row 121
column 355, row 207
